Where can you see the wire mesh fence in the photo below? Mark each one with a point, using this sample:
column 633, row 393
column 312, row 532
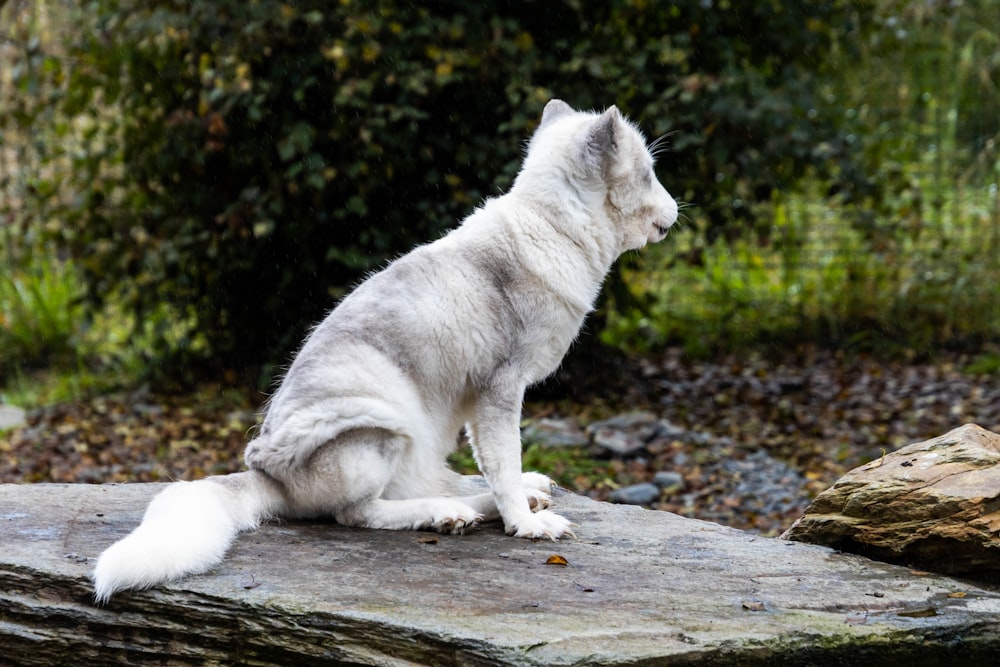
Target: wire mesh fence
column 914, row 262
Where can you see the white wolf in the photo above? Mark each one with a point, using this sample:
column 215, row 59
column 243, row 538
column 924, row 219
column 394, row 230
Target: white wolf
column 447, row 336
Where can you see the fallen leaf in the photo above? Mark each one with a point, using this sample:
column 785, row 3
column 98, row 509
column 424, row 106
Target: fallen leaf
column 428, row 539
column 919, row 573
column 754, row 605
column 876, row 464
column 920, row 612
column 556, row 559
column 957, row 594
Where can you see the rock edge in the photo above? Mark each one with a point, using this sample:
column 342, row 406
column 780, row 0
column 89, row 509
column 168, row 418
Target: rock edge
column 639, row 587
column 935, row 504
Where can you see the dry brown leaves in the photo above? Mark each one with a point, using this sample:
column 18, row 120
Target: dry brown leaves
column 134, row 437
column 818, row 413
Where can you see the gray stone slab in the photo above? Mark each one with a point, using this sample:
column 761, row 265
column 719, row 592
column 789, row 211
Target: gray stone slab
column 11, row 416
column 641, row 587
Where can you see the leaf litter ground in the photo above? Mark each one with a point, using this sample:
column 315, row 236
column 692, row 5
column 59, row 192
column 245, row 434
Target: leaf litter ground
column 743, row 440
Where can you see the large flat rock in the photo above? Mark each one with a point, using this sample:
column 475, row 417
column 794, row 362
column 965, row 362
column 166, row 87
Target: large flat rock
column 641, row 587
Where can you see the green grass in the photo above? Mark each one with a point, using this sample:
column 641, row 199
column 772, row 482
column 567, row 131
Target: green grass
column 51, row 349
column 917, row 281
column 39, row 310
column 748, row 296
column 910, row 268
column 569, row 467
column 987, row 363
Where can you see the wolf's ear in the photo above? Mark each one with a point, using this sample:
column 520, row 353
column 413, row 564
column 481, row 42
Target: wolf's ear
column 602, row 138
column 553, row 110
column 603, row 135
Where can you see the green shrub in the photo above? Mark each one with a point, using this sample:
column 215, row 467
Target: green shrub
column 39, row 311
column 226, row 168
column 906, row 262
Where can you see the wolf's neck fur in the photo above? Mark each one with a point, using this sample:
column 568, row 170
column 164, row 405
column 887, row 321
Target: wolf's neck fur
column 583, row 259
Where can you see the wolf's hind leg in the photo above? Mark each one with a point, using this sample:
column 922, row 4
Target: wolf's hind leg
column 347, row 477
column 445, row 515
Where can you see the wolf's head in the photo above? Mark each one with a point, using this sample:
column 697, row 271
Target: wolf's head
column 600, row 162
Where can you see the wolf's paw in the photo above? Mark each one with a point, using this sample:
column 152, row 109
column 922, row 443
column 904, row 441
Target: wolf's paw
column 537, row 481
column 542, row 523
column 455, row 519
column 537, row 487
column 537, row 500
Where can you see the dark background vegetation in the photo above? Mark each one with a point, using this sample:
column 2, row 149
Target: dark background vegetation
column 196, row 182
column 226, row 169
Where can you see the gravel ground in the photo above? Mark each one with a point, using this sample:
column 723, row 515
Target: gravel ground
column 744, row 441
column 754, row 439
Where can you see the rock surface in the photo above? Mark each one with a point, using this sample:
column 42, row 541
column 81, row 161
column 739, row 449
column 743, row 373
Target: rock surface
column 637, row 587
column 11, row 416
column 935, row 504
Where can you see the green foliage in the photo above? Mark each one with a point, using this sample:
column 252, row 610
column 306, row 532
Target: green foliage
column 987, row 363
column 223, row 168
column 39, row 311
column 816, row 278
column 569, row 467
column 904, row 260
column 50, row 348
column 922, row 104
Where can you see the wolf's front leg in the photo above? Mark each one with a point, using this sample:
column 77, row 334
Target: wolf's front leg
column 496, row 440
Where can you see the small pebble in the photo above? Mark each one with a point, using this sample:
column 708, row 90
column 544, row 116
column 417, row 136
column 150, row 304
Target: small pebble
column 669, row 480
column 618, row 443
column 636, row 494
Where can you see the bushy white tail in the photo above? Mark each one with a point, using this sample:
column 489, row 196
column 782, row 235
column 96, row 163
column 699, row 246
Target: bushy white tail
column 186, row 529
